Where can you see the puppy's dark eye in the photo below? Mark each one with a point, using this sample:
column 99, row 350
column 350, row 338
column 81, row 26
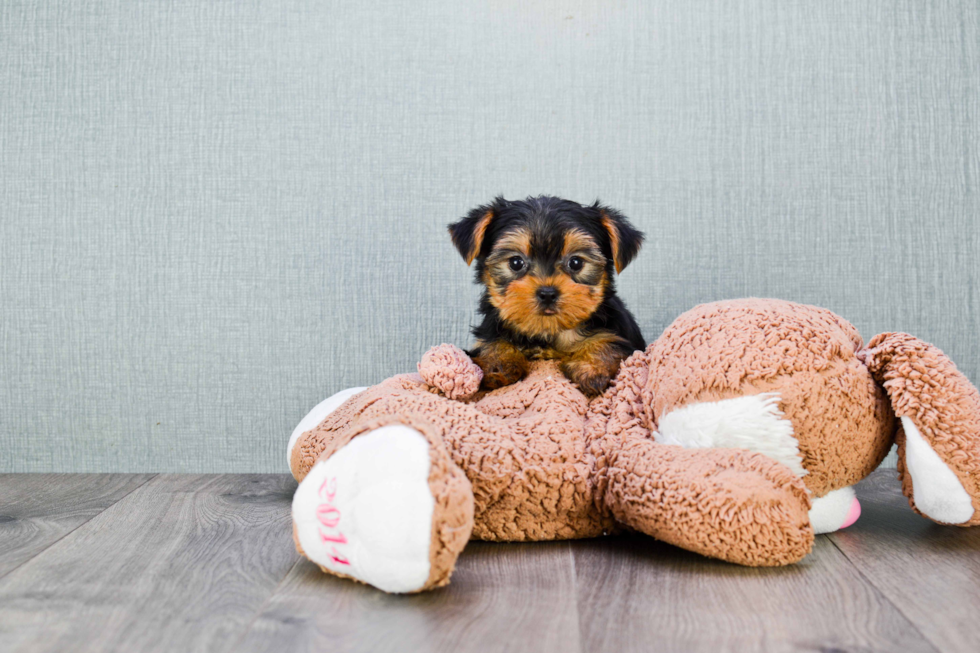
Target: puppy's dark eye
column 516, row 263
column 575, row 264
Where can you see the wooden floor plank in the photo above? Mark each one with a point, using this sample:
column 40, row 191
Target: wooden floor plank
column 636, row 594
column 37, row 510
column 503, row 597
column 930, row 572
column 113, row 562
column 181, row 564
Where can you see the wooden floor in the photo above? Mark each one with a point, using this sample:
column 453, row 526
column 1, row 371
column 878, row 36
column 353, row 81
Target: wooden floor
column 206, row 563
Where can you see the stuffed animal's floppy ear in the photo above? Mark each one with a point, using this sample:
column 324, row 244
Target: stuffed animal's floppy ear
column 468, row 233
column 939, row 441
column 624, row 238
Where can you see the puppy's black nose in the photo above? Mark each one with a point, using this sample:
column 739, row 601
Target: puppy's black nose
column 547, row 294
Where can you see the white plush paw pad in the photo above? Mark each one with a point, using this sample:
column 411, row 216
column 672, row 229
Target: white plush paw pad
column 835, row 510
column 937, row 491
column 317, row 415
column 367, row 510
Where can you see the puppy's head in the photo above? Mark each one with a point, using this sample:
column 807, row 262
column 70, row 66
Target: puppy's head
column 547, row 263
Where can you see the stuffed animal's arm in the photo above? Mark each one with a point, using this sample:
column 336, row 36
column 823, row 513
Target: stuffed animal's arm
column 725, row 503
column 448, row 369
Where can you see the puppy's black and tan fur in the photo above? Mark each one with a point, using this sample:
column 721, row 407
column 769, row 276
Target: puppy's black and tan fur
column 547, row 265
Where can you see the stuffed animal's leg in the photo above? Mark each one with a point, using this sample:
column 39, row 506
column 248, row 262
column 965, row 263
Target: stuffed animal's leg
column 726, row 503
column 316, row 415
column 385, row 505
column 835, row 510
column 939, row 439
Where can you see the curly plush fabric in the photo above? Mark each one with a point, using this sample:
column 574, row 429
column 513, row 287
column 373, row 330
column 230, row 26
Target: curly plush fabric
column 925, row 386
column 451, row 371
column 530, row 472
column 537, row 461
column 731, row 504
column 804, row 354
column 539, row 468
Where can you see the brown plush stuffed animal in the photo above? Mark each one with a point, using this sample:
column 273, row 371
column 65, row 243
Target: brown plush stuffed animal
column 737, row 434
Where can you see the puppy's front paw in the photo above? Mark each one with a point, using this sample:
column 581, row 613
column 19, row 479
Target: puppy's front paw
column 498, row 373
column 589, row 380
column 502, row 364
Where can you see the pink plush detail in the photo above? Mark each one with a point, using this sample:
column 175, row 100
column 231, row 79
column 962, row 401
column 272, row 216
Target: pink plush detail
column 451, row 371
column 329, row 516
column 852, row 514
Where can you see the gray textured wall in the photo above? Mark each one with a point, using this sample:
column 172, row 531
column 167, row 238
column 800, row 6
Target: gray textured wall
column 212, row 215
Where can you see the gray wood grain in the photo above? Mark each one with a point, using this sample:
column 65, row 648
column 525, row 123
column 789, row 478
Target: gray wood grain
column 930, row 572
column 503, row 597
column 37, row 510
column 181, row 564
column 185, row 563
column 636, row 594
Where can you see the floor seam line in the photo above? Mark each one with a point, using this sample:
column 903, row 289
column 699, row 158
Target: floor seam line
column 268, row 599
column 884, row 596
column 66, row 534
column 578, row 611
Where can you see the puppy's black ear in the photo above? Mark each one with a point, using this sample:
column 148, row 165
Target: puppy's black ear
column 624, row 238
column 468, row 233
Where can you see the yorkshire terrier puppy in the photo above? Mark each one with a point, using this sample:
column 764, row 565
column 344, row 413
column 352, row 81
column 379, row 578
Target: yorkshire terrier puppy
column 547, row 266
